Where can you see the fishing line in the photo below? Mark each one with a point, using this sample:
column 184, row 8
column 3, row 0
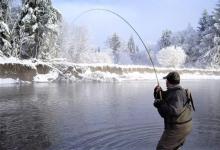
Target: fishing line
column 116, row 14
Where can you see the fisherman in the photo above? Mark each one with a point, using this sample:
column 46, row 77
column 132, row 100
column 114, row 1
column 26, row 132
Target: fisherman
column 175, row 106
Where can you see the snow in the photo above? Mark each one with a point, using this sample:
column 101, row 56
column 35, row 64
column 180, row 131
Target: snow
column 13, row 60
column 171, row 56
column 51, row 76
column 112, row 72
column 35, row 26
column 104, row 72
column 4, row 27
column 12, row 81
column 135, row 76
column 8, row 81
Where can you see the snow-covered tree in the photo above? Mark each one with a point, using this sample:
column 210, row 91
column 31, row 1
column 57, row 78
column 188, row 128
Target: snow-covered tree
column 214, row 54
column 133, row 49
column 4, row 10
column 190, row 44
column 38, row 29
column 5, row 45
column 5, row 39
column 165, row 39
column 14, row 12
column 131, row 45
column 77, row 43
column 188, row 40
column 171, row 56
column 206, row 34
column 203, row 21
column 211, row 40
column 15, row 7
column 114, row 43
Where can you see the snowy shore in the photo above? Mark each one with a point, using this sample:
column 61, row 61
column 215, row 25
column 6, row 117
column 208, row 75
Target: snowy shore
column 17, row 71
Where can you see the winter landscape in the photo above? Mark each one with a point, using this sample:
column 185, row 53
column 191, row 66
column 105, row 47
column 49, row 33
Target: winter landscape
column 66, row 68
column 35, row 33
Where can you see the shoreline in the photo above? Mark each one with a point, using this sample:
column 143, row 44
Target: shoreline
column 19, row 71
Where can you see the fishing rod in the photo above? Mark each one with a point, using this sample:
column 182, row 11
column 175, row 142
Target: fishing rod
column 116, row 14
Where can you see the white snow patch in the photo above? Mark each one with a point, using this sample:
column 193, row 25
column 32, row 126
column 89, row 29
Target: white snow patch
column 4, row 27
column 12, row 81
column 8, row 81
column 132, row 76
column 13, row 60
column 51, row 76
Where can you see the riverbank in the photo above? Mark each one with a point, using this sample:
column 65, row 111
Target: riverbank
column 14, row 70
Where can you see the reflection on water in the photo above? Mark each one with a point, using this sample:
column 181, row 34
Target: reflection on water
column 22, row 124
column 90, row 116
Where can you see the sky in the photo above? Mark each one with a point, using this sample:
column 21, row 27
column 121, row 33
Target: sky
column 148, row 17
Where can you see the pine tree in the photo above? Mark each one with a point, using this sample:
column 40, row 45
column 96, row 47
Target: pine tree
column 5, row 39
column 165, row 39
column 37, row 29
column 133, row 49
column 190, row 44
column 14, row 15
column 131, row 45
column 206, row 32
column 212, row 57
column 188, row 40
column 114, row 43
column 203, row 21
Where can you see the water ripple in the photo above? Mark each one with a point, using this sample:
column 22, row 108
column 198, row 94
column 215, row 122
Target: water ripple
column 116, row 137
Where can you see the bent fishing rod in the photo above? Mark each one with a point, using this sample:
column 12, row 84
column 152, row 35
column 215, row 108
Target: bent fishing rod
column 122, row 18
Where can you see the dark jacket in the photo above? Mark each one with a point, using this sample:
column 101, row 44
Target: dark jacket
column 174, row 106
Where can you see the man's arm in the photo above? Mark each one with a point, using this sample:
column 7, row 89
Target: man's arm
column 173, row 108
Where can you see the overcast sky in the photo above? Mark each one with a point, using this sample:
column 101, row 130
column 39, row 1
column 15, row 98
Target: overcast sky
column 149, row 17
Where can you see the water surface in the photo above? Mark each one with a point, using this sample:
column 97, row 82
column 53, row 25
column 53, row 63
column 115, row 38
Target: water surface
column 99, row 116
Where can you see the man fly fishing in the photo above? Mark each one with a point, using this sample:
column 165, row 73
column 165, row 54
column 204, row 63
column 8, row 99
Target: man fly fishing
column 175, row 106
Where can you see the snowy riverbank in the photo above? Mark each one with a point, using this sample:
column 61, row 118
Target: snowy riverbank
column 17, row 71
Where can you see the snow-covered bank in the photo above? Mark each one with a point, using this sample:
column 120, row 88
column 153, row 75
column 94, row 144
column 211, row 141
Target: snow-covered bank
column 13, row 70
column 109, row 72
column 17, row 71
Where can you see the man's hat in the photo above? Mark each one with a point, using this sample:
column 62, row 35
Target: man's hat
column 173, row 77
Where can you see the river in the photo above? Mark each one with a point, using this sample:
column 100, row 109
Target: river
column 99, row 116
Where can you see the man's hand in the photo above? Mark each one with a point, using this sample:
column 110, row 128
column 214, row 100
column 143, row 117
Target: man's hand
column 157, row 91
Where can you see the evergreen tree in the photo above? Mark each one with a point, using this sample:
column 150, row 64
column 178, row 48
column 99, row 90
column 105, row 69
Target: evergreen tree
column 131, row 45
column 115, row 44
column 165, row 39
column 188, row 40
column 190, row 44
column 212, row 57
column 133, row 49
column 37, row 29
column 15, row 12
column 206, row 33
column 4, row 11
column 203, row 21
column 5, row 39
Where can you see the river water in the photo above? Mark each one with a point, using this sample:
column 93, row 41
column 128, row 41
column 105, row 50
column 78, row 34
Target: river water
column 99, row 116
